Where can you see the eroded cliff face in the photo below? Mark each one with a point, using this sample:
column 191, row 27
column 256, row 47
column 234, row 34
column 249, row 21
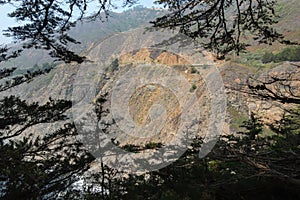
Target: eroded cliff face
column 150, row 102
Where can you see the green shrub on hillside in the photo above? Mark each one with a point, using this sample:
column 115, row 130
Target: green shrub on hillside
column 287, row 54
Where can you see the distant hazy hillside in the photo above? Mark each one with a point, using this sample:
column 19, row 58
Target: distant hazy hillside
column 94, row 31
column 90, row 32
column 289, row 22
column 288, row 12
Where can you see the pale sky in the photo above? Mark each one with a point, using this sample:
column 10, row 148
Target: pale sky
column 6, row 21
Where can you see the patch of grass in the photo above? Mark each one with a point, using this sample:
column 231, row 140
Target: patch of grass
column 286, row 54
column 253, row 61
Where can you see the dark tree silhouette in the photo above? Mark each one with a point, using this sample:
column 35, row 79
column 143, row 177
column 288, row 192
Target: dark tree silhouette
column 10, row 81
column 46, row 24
column 40, row 165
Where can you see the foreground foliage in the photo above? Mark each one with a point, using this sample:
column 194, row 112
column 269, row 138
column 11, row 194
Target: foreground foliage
column 36, row 164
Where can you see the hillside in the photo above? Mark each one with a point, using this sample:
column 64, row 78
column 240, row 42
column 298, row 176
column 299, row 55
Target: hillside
column 288, row 12
column 88, row 33
column 160, row 117
column 59, row 82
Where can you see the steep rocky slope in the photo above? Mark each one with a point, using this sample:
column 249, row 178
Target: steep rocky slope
column 59, row 83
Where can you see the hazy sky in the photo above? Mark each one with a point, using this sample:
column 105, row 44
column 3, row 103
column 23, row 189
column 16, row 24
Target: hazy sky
column 5, row 21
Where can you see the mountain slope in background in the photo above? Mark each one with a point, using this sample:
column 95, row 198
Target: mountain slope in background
column 58, row 83
column 88, row 33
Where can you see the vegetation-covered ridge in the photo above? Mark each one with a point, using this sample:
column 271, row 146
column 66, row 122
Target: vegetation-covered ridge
column 256, row 157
